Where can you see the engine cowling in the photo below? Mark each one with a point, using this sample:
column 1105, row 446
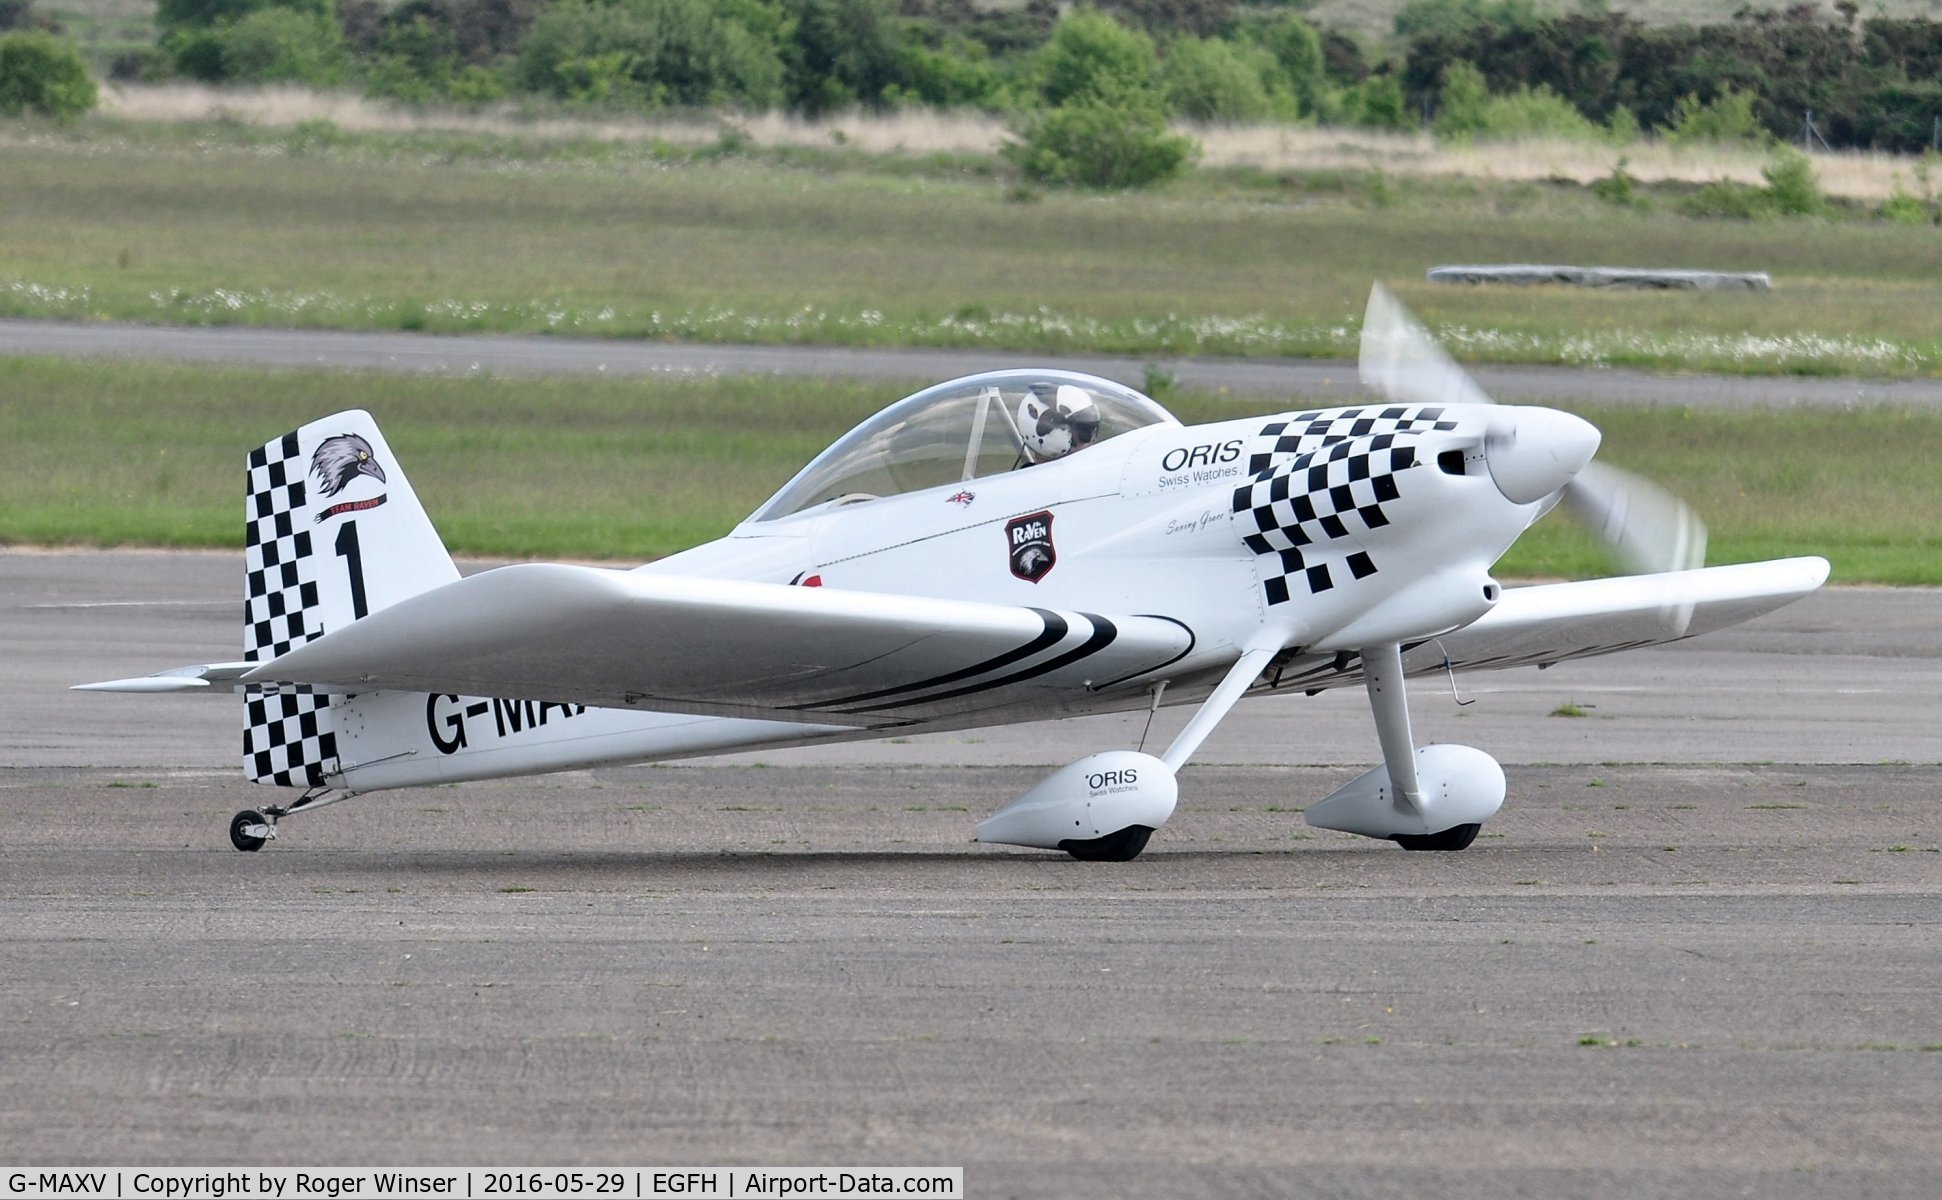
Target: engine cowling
column 1096, row 797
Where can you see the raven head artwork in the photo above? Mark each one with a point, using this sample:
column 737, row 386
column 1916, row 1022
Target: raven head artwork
column 342, row 459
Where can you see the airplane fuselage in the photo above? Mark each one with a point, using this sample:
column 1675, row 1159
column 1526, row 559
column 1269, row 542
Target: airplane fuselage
column 1322, row 530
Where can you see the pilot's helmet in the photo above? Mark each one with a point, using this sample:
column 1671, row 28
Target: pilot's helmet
column 1056, row 421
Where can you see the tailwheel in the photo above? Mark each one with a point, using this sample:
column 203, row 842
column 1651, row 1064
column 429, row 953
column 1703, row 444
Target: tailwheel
column 1124, row 846
column 249, row 829
column 1456, row 837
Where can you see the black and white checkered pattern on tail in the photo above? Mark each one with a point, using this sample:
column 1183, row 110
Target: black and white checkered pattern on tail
column 1320, row 480
column 287, row 735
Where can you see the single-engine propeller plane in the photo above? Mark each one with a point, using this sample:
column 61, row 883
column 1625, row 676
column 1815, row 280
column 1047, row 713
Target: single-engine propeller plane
column 1011, row 546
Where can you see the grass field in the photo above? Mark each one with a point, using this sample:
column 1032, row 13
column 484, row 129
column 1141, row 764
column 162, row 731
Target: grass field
column 311, row 226
column 110, row 454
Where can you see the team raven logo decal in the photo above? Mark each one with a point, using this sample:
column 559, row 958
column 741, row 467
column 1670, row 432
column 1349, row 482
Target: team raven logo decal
column 336, row 463
column 1030, row 540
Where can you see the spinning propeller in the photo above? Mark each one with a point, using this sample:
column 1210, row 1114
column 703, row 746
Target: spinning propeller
column 1539, row 451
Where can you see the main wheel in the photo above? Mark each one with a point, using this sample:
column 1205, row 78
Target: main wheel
column 1454, row 838
column 239, row 824
column 1124, row 846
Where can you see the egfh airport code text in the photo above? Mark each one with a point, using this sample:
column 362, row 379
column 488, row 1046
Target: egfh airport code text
column 633, row 1183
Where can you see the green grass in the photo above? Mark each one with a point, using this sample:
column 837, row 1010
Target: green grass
column 151, row 454
column 1853, row 486
column 224, row 224
column 111, row 454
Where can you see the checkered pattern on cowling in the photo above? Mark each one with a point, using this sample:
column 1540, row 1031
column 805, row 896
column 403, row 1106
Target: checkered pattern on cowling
column 286, row 735
column 1307, row 432
column 1307, row 511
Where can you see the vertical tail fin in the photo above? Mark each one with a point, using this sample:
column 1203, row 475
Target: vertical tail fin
column 333, row 532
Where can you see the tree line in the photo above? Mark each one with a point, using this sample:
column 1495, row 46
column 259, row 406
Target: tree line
column 1100, row 83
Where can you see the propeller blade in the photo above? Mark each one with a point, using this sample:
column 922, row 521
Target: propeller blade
column 1647, row 528
column 1399, row 359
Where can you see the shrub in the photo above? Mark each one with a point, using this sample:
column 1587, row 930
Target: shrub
column 1536, row 112
column 1091, row 54
column 1904, row 208
column 1622, row 128
column 1792, row 189
column 270, row 45
column 645, row 53
column 1377, row 103
column 1107, row 139
column 961, row 75
column 1469, row 110
column 1724, row 198
column 1208, row 81
column 1297, row 51
column 1619, row 188
column 1728, row 117
column 43, row 75
column 1461, row 101
column 842, row 52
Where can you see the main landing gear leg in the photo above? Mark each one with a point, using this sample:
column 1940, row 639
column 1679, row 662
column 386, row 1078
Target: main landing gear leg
column 1435, row 798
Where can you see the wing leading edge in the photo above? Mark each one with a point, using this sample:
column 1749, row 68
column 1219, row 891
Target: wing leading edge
column 1555, row 622
column 665, row 643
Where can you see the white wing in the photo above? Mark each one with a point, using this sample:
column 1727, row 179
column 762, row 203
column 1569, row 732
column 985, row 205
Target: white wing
column 1553, row 622
column 678, row 644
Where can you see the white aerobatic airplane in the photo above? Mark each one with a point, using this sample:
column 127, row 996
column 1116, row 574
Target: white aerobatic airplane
column 916, row 576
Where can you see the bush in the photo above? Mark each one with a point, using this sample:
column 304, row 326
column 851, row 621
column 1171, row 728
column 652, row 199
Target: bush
column 1792, row 189
column 1619, row 188
column 1377, row 103
column 1724, row 198
column 1622, row 128
column 1461, row 102
column 43, row 75
column 645, row 53
column 1469, row 110
column 1108, row 139
column 1090, row 54
column 1208, row 81
column 1303, row 67
column 1904, row 208
column 960, row 76
column 1536, row 112
column 270, row 45
column 1728, row 117
column 843, row 52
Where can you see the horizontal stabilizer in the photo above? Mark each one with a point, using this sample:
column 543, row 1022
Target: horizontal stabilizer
column 213, row 678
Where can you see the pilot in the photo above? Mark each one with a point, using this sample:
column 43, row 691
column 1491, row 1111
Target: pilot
column 1055, row 422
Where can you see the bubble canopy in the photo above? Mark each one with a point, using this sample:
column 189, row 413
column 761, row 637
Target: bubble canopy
column 957, row 431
